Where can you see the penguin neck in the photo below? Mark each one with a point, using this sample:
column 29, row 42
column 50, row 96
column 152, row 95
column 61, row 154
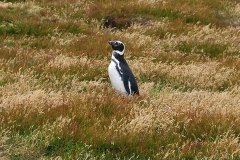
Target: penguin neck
column 117, row 56
column 119, row 52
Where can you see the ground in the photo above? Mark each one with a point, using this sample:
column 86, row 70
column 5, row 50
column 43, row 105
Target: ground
column 56, row 100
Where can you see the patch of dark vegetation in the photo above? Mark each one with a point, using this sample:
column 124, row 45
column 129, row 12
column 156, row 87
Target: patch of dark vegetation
column 28, row 29
column 185, row 47
column 223, row 87
column 61, row 146
column 2, row 83
column 39, row 29
column 119, row 149
column 15, row 21
column 194, row 19
column 212, row 50
column 119, row 22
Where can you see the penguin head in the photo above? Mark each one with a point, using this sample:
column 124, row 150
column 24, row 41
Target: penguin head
column 117, row 46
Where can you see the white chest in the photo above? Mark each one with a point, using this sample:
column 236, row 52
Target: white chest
column 115, row 78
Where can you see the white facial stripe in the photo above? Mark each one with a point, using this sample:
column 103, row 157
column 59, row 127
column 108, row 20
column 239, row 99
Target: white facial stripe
column 119, row 42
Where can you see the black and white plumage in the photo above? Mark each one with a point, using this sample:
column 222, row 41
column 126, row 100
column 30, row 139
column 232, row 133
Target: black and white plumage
column 121, row 76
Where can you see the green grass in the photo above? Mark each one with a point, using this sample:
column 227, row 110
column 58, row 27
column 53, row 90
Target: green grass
column 212, row 50
column 2, row 83
column 39, row 29
column 15, row 21
column 26, row 29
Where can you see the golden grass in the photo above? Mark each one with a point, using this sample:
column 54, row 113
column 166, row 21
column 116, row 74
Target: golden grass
column 56, row 100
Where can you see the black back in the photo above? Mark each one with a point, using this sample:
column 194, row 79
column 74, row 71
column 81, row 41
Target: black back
column 126, row 74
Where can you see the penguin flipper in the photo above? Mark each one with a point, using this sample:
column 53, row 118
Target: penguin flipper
column 134, row 87
column 130, row 84
column 125, row 79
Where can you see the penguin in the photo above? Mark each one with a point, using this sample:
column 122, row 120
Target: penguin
column 120, row 74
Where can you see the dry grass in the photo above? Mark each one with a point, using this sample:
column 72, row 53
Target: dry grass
column 56, row 101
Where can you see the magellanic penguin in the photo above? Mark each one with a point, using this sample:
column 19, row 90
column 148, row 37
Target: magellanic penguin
column 120, row 74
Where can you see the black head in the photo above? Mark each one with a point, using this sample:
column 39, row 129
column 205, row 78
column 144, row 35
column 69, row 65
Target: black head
column 117, row 46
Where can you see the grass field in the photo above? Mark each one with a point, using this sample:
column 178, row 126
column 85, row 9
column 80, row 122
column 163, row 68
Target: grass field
column 56, row 101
